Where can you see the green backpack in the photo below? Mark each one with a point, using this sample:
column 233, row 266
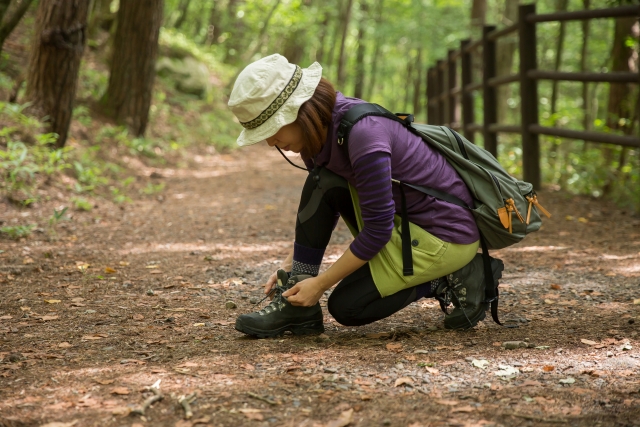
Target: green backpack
column 503, row 206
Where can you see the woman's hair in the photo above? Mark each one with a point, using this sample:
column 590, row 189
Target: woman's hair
column 314, row 115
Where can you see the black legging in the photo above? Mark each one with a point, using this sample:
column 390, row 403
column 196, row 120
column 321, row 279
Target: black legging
column 356, row 300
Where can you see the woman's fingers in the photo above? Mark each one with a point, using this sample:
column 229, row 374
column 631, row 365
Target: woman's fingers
column 271, row 283
column 292, row 291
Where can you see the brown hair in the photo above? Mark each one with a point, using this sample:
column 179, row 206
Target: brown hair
column 314, row 115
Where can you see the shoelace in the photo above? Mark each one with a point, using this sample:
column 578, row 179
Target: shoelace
column 448, row 295
column 277, row 299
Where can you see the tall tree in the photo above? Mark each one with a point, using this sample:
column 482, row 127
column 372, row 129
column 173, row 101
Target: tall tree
column 52, row 75
column 8, row 23
column 359, row 71
column 478, row 17
column 342, row 60
column 586, row 105
column 128, row 95
column 620, row 114
column 417, row 84
column 561, row 7
column 373, row 74
column 504, row 57
column 215, row 23
column 183, row 10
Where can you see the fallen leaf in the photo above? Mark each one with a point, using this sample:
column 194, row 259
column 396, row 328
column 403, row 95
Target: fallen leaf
column 506, row 371
column 636, row 301
column 138, row 317
column 588, row 342
column 378, row 335
column 403, row 381
column 152, row 266
column 480, row 363
column 64, row 345
column 548, row 368
column 448, row 402
column 120, row 390
column 556, row 287
column 432, row 371
column 6, row 317
column 109, row 270
column 27, row 260
column 449, row 362
column 94, row 337
column 343, row 420
column 122, row 410
column 52, row 301
column 568, row 380
column 104, row 382
column 45, row 318
column 197, row 325
column 249, row 367
column 123, row 263
column 395, row 347
column 252, row 414
column 467, row 408
column 59, row 424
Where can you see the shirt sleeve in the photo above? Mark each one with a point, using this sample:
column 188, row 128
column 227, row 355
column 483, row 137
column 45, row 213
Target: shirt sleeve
column 373, row 184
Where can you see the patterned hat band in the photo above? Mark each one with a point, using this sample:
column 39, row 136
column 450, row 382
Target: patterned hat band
column 277, row 103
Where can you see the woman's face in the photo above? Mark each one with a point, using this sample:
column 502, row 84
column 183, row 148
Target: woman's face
column 288, row 138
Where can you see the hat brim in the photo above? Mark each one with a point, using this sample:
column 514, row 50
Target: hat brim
column 288, row 113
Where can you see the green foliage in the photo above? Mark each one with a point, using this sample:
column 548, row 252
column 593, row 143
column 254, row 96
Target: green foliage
column 152, row 188
column 81, row 204
column 17, row 232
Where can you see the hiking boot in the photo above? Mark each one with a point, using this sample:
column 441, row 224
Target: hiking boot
column 465, row 289
column 280, row 316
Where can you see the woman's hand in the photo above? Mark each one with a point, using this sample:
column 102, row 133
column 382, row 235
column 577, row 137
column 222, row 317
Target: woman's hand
column 306, row 293
column 271, row 283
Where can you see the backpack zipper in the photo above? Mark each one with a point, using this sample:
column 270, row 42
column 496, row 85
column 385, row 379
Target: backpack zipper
column 533, row 200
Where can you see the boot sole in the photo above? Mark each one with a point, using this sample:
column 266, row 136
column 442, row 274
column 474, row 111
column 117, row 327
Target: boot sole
column 313, row 327
column 464, row 325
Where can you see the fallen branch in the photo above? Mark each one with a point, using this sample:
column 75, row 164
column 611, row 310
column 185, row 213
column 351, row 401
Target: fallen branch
column 264, row 399
column 157, row 396
column 185, row 401
column 535, row 418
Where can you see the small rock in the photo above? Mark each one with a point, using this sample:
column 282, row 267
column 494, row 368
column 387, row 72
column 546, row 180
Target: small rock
column 254, row 300
column 322, row 337
column 330, row 370
column 89, row 311
column 511, row 345
column 386, row 422
column 243, row 296
column 431, row 329
column 170, row 319
column 150, row 292
column 230, row 305
column 127, row 284
column 15, row 357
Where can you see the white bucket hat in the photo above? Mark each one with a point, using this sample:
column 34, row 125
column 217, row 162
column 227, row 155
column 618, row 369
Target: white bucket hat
column 268, row 94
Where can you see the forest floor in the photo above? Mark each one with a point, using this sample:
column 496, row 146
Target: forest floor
column 120, row 298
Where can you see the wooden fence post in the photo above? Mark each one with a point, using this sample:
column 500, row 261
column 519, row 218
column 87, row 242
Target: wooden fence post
column 441, row 91
column 489, row 92
column 528, row 96
column 431, row 110
column 451, row 84
column 466, row 97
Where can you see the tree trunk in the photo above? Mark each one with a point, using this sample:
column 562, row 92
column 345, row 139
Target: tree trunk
column 183, row 8
column 562, row 7
column 101, row 17
column 233, row 42
column 407, row 87
column 342, row 69
column 478, row 18
column 417, row 85
column 10, row 23
column 324, row 29
column 504, row 58
column 620, row 107
column 52, row 75
column 359, row 71
column 376, row 51
column 586, row 105
column 215, row 23
column 128, row 96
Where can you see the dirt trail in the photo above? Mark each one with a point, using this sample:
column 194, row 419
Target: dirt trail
column 127, row 297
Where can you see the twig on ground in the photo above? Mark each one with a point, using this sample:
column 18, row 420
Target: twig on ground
column 185, row 401
column 534, row 418
column 264, row 399
column 157, row 396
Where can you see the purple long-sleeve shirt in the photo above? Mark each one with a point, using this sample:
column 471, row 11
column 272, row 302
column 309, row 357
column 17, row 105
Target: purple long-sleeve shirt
column 379, row 149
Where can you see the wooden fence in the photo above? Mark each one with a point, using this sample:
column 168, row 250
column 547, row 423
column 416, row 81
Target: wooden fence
column 446, row 96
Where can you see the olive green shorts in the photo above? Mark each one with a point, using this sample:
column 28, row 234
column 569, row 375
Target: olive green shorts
column 432, row 257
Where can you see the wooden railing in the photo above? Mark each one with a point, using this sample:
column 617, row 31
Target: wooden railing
column 445, row 95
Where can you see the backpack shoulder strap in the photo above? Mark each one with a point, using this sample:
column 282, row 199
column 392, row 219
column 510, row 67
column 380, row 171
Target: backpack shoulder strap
column 359, row 112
